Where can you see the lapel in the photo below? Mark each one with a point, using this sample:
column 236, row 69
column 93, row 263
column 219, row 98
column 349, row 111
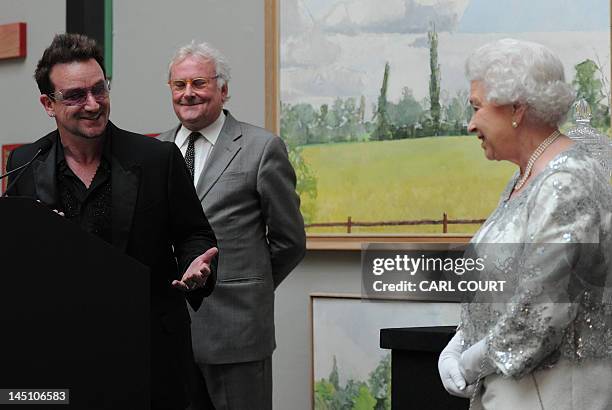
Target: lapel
column 228, row 145
column 169, row 135
column 125, row 179
column 44, row 174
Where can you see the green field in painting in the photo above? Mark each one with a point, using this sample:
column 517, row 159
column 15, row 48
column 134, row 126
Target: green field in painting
column 407, row 179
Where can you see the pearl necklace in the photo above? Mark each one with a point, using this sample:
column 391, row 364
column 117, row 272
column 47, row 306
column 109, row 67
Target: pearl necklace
column 534, row 157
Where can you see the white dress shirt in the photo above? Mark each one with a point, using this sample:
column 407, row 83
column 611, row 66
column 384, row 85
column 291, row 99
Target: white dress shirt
column 202, row 146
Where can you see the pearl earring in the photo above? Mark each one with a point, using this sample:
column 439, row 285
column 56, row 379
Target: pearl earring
column 514, row 124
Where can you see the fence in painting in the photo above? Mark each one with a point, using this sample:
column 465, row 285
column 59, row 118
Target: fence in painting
column 349, row 223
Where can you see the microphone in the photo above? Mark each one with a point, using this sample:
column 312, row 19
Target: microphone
column 45, row 145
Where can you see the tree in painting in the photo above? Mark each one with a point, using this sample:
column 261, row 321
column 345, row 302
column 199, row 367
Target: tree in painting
column 373, row 394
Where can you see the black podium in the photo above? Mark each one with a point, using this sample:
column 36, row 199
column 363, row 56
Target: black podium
column 74, row 313
column 415, row 383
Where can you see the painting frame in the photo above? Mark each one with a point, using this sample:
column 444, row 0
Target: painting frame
column 369, row 306
column 335, row 241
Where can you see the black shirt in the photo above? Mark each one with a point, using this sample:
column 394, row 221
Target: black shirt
column 90, row 208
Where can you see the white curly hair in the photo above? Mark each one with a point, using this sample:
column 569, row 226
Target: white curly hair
column 206, row 52
column 514, row 71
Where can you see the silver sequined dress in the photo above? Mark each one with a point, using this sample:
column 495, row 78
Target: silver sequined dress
column 550, row 338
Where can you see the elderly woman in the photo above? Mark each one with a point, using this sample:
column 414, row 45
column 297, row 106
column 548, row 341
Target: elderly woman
column 548, row 345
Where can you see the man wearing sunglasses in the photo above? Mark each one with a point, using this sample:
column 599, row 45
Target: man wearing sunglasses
column 246, row 185
column 129, row 190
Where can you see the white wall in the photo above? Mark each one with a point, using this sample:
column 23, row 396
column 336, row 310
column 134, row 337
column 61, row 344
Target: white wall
column 146, row 35
column 21, row 116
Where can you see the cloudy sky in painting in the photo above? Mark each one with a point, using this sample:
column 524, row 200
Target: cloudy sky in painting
column 338, row 48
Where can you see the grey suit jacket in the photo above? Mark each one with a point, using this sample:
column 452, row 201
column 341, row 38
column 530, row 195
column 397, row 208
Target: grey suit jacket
column 247, row 191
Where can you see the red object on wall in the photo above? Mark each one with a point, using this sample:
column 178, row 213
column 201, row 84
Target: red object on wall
column 6, row 150
column 13, row 40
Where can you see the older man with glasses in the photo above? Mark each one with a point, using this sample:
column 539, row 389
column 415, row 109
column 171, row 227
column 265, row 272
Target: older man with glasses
column 132, row 191
column 246, row 185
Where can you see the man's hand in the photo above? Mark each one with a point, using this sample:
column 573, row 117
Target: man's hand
column 196, row 274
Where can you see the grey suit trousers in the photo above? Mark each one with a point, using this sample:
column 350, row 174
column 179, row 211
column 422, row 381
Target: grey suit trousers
column 234, row 386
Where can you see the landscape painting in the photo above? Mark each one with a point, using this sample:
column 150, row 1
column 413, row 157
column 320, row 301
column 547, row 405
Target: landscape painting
column 350, row 370
column 374, row 104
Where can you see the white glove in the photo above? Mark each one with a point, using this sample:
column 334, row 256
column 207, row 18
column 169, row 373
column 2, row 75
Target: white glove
column 449, row 368
column 473, row 363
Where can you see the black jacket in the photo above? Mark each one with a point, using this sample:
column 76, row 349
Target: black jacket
column 156, row 219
